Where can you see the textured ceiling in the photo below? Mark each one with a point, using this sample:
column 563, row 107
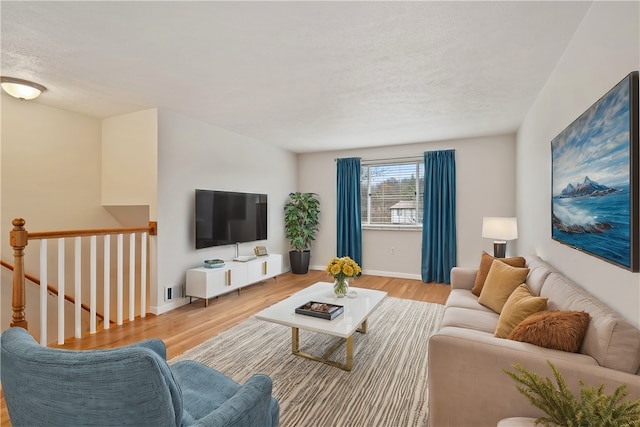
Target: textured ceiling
column 305, row 76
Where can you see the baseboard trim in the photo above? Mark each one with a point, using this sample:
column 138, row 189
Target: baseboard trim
column 178, row 302
column 378, row 273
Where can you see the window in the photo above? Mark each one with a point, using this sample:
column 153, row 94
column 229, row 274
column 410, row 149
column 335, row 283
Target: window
column 391, row 193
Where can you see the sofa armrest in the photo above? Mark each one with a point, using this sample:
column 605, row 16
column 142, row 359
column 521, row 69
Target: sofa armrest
column 463, row 277
column 251, row 405
column 468, row 385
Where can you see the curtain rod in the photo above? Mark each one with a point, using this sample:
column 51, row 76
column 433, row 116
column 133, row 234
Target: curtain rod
column 393, row 158
column 420, row 156
column 387, row 158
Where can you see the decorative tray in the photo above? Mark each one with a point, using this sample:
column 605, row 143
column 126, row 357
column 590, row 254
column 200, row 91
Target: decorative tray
column 244, row 258
column 320, row 309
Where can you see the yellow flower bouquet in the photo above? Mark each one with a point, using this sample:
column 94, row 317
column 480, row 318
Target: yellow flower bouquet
column 341, row 269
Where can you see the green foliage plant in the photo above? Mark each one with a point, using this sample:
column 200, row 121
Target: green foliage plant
column 595, row 408
column 301, row 219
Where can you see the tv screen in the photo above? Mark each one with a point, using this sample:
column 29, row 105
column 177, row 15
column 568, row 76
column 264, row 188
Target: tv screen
column 226, row 218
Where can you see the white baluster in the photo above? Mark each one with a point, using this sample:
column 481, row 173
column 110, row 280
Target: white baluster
column 43, row 292
column 120, row 280
column 61, row 291
column 143, row 275
column 78, row 287
column 132, row 275
column 107, row 280
column 92, row 291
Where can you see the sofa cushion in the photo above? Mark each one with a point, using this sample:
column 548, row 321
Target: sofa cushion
column 485, row 265
column 501, row 281
column 609, row 339
column 465, row 299
column 467, row 318
column 534, row 261
column 559, row 330
column 526, row 352
column 538, row 272
column 520, row 305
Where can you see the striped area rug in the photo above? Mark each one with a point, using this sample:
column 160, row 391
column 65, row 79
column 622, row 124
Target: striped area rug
column 386, row 387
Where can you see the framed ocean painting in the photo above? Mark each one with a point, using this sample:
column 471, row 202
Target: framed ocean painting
column 594, row 202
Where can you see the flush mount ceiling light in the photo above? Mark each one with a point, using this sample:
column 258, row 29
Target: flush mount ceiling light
column 21, row 89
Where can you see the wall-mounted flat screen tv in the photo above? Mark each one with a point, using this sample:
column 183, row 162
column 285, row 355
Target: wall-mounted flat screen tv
column 227, row 218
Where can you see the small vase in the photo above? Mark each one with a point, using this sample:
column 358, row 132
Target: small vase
column 341, row 287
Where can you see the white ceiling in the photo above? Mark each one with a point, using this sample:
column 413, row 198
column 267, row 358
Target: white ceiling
column 305, row 76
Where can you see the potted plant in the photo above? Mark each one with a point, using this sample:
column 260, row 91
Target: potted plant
column 301, row 217
column 593, row 408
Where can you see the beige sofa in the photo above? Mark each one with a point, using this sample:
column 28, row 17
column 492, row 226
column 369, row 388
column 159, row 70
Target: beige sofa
column 467, row 384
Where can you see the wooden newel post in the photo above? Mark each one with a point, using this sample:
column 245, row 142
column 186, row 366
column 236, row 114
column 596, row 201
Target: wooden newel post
column 18, row 240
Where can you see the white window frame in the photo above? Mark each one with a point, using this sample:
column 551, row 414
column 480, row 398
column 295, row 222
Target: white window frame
column 419, row 172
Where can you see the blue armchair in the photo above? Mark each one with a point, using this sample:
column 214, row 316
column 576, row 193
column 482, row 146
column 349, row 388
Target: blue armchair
column 131, row 385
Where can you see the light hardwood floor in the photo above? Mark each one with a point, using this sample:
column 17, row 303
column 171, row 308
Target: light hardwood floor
column 190, row 325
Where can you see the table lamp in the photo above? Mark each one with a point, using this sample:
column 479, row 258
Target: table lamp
column 500, row 229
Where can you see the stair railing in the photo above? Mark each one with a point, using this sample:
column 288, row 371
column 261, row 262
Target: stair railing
column 19, row 239
column 50, row 289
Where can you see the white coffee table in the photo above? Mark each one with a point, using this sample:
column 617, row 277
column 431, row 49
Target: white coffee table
column 356, row 312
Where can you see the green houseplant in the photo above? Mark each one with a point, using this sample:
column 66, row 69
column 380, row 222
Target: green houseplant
column 301, row 219
column 594, row 408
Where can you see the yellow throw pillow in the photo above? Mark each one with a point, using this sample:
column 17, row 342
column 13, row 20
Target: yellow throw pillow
column 520, row 305
column 485, row 264
column 501, row 281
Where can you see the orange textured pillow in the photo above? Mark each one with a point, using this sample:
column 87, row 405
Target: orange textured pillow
column 485, row 265
column 559, row 330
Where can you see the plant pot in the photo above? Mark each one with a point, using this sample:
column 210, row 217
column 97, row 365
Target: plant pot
column 299, row 261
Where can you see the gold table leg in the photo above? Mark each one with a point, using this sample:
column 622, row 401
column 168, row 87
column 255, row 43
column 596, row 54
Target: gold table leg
column 349, row 363
column 295, row 340
column 363, row 327
column 295, row 349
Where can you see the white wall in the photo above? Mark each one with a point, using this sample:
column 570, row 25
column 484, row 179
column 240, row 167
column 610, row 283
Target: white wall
column 130, row 160
column 193, row 154
column 485, row 180
column 50, row 168
column 51, row 178
column 605, row 48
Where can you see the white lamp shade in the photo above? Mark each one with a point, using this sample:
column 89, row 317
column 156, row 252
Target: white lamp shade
column 21, row 89
column 500, row 228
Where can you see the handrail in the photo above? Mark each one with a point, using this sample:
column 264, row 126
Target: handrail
column 19, row 239
column 39, row 235
column 52, row 290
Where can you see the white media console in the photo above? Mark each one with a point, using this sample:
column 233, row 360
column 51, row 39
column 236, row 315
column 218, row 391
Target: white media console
column 207, row 283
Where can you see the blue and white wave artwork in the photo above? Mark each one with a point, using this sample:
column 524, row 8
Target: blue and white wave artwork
column 591, row 199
